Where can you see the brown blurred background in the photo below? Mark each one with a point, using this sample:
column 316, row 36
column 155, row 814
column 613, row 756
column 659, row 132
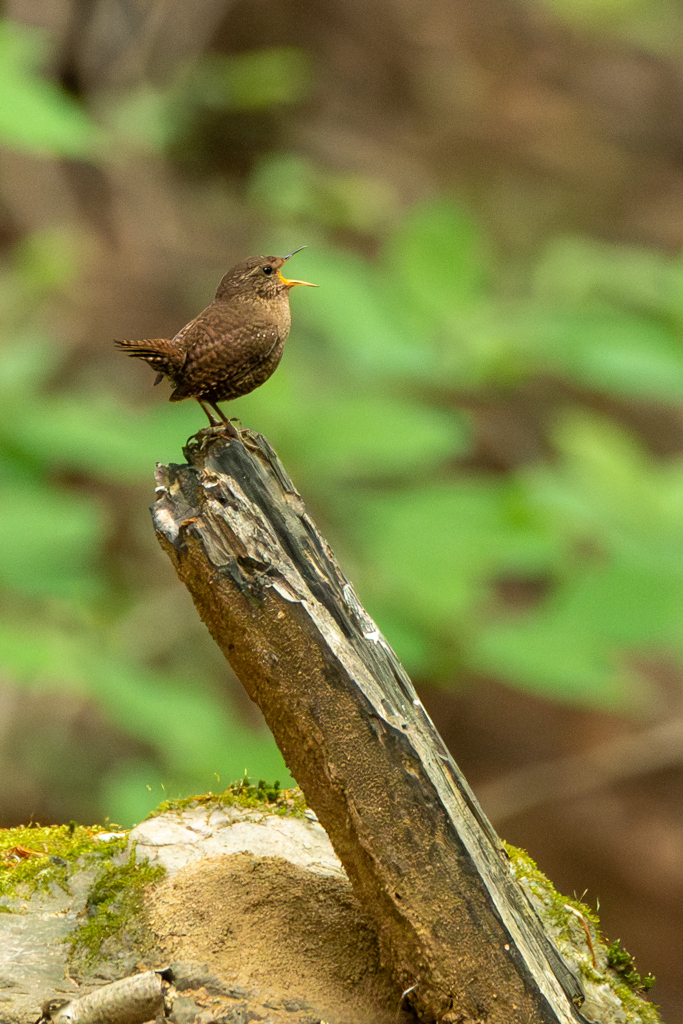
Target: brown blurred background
column 176, row 138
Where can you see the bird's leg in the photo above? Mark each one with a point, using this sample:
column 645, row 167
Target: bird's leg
column 223, row 422
column 212, row 419
column 227, row 425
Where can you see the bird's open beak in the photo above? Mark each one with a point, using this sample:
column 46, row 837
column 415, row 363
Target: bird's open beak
column 290, row 284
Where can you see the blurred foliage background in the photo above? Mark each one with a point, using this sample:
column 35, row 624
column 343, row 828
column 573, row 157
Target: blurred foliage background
column 482, row 405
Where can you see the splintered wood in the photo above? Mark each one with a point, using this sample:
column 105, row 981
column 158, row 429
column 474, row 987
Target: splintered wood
column 460, row 936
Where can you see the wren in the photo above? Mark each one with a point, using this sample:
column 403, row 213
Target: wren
column 233, row 346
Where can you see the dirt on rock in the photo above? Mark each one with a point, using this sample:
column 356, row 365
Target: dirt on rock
column 291, row 936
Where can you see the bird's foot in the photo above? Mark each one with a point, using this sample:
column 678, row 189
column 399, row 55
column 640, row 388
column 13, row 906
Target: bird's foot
column 242, row 433
column 225, row 429
column 198, row 442
column 217, row 430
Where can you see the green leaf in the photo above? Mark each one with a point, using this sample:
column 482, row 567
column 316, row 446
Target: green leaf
column 555, row 658
column 196, row 734
column 618, row 586
column 338, row 435
column 583, row 273
column 93, row 433
column 651, row 25
column 436, row 258
column 197, row 731
column 607, row 489
column 49, row 541
column 578, row 645
column 289, row 186
column 251, row 81
column 376, row 436
column 438, row 547
column 147, row 118
column 286, row 184
column 47, row 260
column 36, row 115
column 39, row 650
column 613, row 352
column 23, row 369
column 353, row 314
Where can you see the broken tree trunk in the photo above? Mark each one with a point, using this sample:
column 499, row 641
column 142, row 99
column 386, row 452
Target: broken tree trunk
column 458, row 932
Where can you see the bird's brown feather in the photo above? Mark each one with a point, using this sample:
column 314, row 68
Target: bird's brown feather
column 235, row 344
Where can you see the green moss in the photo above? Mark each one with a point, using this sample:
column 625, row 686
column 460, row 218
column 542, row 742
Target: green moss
column 623, row 964
column 116, row 919
column 115, row 914
column 243, row 793
column 575, row 928
column 527, row 871
column 34, row 857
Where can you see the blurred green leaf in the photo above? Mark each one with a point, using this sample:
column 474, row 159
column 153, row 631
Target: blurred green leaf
column 188, row 723
column 35, row 114
column 615, row 353
column 334, row 434
column 577, row 647
column 436, row 258
column 152, row 118
column 24, row 368
column 285, row 184
column 47, row 260
column 375, row 436
column 552, row 656
column 50, row 542
column 619, row 586
column 65, row 432
column 610, row 351
column 41, row 650
column 644, row 23
column 352, row 313
column 147, row 118
column 247, row 81
column 580, row 272
column 288, row 185
column 440, row 546
column 87, row 431
column 608, row 489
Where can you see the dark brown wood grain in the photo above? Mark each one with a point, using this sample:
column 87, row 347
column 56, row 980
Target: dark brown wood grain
column 454, row 924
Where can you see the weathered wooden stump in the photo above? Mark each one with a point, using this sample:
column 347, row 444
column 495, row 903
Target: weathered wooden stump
column 459, row 933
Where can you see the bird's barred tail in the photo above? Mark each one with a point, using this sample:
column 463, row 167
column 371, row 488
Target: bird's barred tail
column 152, row 349
column 160, row 353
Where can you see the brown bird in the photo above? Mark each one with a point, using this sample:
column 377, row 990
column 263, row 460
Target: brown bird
column 233, row 346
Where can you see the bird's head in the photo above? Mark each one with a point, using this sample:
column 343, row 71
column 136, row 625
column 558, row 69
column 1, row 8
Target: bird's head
column 258, row 276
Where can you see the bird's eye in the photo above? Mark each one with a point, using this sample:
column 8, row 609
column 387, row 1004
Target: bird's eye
column 268, row 270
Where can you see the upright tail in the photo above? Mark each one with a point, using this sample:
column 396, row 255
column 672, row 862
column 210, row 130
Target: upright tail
column 162, row 355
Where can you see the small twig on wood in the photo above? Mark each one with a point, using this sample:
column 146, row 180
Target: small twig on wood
column 584, row 925
column 133, row 1000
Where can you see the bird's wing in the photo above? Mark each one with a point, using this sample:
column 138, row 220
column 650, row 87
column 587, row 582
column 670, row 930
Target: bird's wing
column 188, row 336
column 226, row 356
